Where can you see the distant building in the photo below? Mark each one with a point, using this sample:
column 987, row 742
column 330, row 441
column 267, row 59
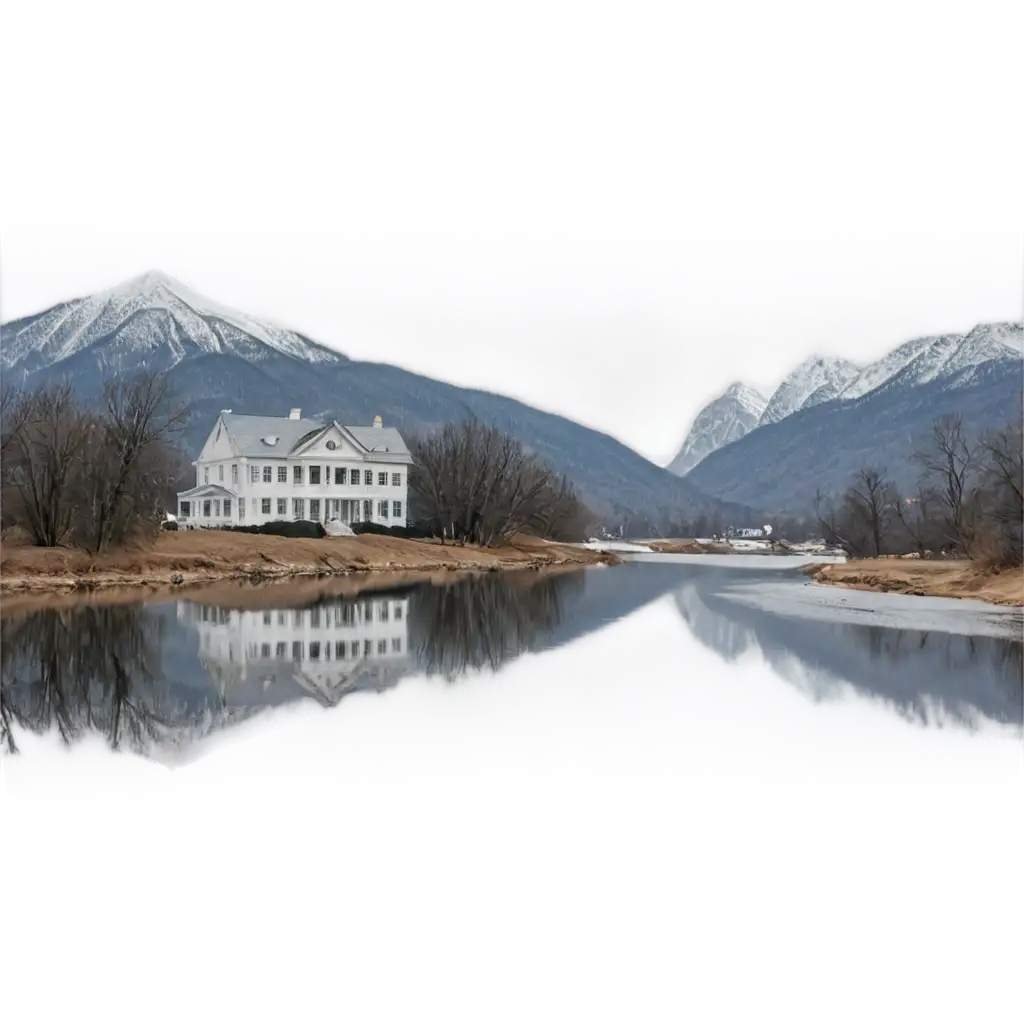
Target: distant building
column 256, row 469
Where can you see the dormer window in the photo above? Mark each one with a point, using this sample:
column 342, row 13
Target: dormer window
column 332, row 444
column 270, row 439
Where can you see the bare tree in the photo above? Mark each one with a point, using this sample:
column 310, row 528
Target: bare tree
column 1002, row 494
column 47, row 456
column 132, row 469
column 869, row 503
column 949, row 462
column 473, row 482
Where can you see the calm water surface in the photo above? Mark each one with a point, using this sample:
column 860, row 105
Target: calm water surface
column 663, row 680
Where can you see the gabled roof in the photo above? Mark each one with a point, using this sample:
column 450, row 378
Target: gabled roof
column 247, row 433
column 207, row 491
column 379, row 438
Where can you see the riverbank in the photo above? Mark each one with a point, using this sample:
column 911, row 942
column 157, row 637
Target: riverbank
column 190, row 557
column 920, row 578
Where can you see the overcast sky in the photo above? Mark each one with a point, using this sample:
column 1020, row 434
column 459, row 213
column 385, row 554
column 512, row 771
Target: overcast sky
column 628, row 326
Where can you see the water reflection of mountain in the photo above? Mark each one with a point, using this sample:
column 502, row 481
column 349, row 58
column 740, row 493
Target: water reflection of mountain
column 154, row 677
column 924, row 676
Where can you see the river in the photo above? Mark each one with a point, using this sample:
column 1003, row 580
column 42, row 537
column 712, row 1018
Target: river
column 672, row 787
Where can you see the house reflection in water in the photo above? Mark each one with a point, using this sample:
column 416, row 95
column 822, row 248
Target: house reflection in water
column 266, row 657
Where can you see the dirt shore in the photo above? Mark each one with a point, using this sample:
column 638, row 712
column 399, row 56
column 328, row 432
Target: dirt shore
column 177, row 559
column 924, row 578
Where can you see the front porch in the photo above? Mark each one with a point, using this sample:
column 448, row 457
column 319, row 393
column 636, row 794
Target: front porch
column 208, row 505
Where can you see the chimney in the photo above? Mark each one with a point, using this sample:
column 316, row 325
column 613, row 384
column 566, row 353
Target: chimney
column 295, row 414
column 377, row 421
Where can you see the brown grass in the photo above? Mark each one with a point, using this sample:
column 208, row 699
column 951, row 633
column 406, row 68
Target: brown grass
column 188, row 557
column 924, row 578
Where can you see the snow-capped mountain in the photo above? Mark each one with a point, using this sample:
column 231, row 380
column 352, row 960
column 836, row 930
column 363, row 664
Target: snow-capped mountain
column 878, row 418
column 725, row 419
column 152, row 318
column 816, row 380
column 947, row 355
column 216, row 358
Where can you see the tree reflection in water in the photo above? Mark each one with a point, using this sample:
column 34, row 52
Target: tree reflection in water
column 483, row 622
column 94, row 668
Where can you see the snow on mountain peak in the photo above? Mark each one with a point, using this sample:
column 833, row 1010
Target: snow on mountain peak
column 817, row 379
column 725, row 419
column 147, row 314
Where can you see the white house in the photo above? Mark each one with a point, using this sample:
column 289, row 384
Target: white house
column 257, row 469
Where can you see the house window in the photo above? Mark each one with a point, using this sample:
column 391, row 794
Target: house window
column 184, row 509
column 297, row 508
column 206, row 509
column 314, row 651
column 398, row 613
column 314, row 474
column 296, row 650
column 268, row 474
column 396, row 509
column 314, row 508
column 339, row 649
column 368, row 478
column 266, row 619
column 314, row 618
column 281, row 649
column 367, row 511
column 264, row 650
column 339, row 474
column 220, row 473
column 206, row 474
column 396, row 645
column 355, row 477
column 282, row 506
column 382, row 509
column 382, row 612
column 227, row 508
column 297, row 475
column 282, row 474
column 234, row 475
column 367, row 648
column 396, row 479
column 382, row 647
column 382, row 479
column 254, row 474
column 241, row 508
column 265, row 507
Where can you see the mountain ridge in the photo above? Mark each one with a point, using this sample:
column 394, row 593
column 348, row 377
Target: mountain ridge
column 910, row 364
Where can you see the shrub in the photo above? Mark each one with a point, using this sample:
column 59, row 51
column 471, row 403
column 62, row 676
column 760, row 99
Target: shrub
column 284, row 528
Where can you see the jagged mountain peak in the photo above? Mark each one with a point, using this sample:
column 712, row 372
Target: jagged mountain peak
column 724, row 419
column 819, row 378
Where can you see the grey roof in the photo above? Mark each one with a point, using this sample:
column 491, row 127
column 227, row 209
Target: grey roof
column 247, row 432
column 379, row 438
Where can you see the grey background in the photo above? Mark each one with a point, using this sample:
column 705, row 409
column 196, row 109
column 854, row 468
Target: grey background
column 504, row 916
